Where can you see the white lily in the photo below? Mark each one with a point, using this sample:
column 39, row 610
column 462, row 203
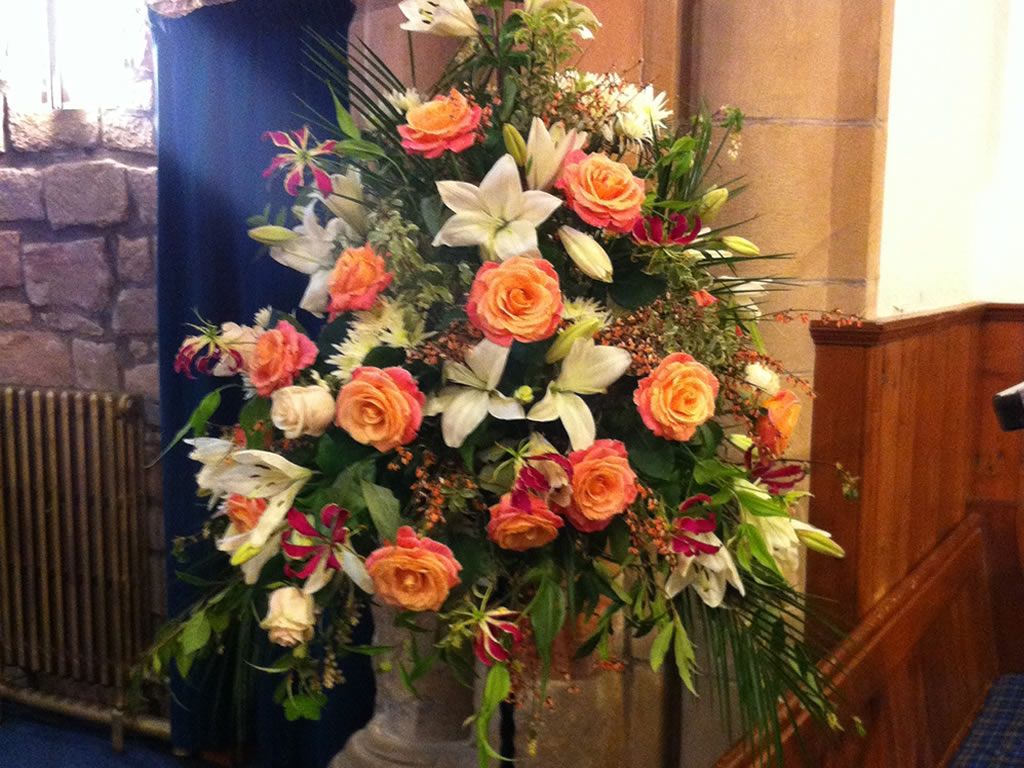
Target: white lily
column 588, row 369
column 347, row 200
column 473, row 393
column 586, row 253
column 447, row 18
column 255, row 475
column 708, row 574
column 546, row 150
column 314, row 253
column 498, row 215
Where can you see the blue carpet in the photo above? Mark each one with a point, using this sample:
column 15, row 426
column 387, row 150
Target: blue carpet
column 996, row 739
column 43, row 743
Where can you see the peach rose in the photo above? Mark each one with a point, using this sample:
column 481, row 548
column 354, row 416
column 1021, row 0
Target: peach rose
column 356, row 280
column 517, row 300
column 603, row 485
column 446, row 123
column 519, row 529
column 775, row 427
column 380, row 407
column 677, row 397
column 290, row 617
column 415, row 574
column 279, row 354
column 603, row 192
column 244, row 513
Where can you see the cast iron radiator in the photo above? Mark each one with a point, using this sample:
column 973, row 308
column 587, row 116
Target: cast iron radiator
column 73, row 568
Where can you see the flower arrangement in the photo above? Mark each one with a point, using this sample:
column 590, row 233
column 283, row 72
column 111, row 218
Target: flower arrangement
column 536, row 399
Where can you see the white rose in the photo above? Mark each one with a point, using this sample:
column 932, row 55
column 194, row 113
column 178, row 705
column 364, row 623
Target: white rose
column 290, row 617
column 299, row 411
column 762, row 377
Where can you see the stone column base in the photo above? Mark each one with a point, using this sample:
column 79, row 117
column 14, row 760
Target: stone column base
column 376, row 746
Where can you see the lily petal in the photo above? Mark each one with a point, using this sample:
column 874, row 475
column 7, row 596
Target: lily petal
column 589, row 369
column 577, row 420
column 505, row 408
column 487, row 360
column 464, row 413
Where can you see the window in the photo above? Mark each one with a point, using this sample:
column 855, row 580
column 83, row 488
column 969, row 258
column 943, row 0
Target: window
column 70, row 54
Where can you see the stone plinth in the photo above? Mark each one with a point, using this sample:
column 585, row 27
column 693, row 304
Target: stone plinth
column 409, row 731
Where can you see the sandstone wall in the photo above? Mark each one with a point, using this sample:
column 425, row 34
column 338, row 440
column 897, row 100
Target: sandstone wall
column 77, row 245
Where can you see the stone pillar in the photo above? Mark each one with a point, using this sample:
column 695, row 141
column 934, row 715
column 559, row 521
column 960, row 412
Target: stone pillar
column 595, row 716
column 813, row 80
column 407, row 731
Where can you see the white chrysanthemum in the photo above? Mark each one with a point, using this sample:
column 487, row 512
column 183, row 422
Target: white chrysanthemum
column 262, row 317
column 586, row 310
column 350, row 354
column 403, row 102
column 388, row 324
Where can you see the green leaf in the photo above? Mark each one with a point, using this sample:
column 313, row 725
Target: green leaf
column 196, row 633
column 547, row 614
column 335, row 451
column 304, row 706
column 361, row 149
column 633, row 289
column 652, row 456
column 255, row 413
column 383, row 508
column 619, row 540
column 661, row 644
column 684, row 654
column 345, row 122
column 497, row 687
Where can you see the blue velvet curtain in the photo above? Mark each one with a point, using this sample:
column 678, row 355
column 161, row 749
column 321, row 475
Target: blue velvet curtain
column 226, row 74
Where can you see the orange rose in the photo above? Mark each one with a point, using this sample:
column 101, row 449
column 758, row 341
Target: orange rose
column 677, row 397
column 603, row 485
column 415, row 574
column 517, row 300
column 244, row 513
column 519, row 529
column 382, row 408
column 278, row 355
column 603, row 192
column 356, row 280
column 775, row 427
column 446, row 123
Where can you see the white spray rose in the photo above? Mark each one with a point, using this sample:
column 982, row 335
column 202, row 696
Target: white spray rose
column 299, row 411
column 762, row 377
column 290, row 617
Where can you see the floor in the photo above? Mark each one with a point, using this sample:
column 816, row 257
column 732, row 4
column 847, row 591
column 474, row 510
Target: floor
column 44, row 742
column 996, row 739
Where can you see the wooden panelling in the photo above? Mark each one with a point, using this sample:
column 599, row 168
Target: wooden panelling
column 895, row 407
column 915, row 670
column 933, row 582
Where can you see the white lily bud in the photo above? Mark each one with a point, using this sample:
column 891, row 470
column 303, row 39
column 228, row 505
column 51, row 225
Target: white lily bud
column 271, row 235
column 821, row 542
column 584, row 329
column 740, row 245
column 586, row 253
column 762, row 377
column 712, row 203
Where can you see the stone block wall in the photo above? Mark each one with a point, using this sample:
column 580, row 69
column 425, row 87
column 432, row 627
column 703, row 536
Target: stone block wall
column 77, row 247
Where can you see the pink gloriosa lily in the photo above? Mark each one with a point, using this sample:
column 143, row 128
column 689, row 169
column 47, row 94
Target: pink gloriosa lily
column 651, row 230
column 297, row 158
column 318, row 550
column 496, row 635
column 533, row 480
